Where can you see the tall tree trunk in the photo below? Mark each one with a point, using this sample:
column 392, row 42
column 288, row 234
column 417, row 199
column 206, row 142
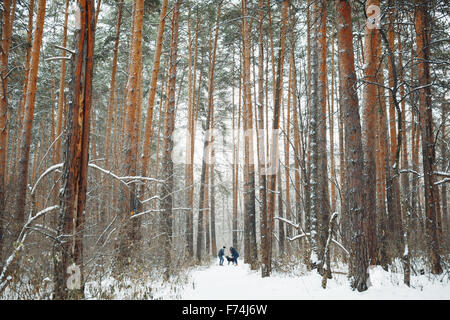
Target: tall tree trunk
column 307, row 156
column 212, row 197
column 281, row 231
column 129, row 229
column 298, row 152
column 354, row 185
column 207, row 160
column 4, row 57
column 203, row 178
column 190, row 143
column 372, row 45
column 6, row 33
column 325, row 213
column 151, row 98
column 236, row 161
column 73, row 196
column 331, row 124
column 112, row 87
column 414, row 151
column 383, row 171
column 273, row 157
column 21, row 109
column 103, row 209
column 249, row 164
column 287, row 139
column 260, row 135
column 25, row 141
column 405, row 189
column 343, row 215
column 320, row 206
column 444, row 166
column 315, row 209
column 422, row 24
column 61, row 99
column 169, row 126
column 395, row 223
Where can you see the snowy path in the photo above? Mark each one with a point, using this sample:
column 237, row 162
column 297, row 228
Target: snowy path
column 240, row 283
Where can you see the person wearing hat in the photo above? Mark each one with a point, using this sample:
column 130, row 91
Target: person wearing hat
column 220, row 255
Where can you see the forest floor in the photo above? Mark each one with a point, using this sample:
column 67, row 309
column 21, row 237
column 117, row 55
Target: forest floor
column 230, row 282
column 288, row 281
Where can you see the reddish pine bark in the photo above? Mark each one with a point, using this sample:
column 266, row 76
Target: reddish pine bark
column 25, row 141
column 4, row 67
column 152, row 94
column 260, row 135
column 422, row 25
column 75, row 169
column 129, row 229
column 371, row 56
column 354, row 184
column 112, row 87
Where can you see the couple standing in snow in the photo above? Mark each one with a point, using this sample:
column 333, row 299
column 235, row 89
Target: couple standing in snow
column 234, row 256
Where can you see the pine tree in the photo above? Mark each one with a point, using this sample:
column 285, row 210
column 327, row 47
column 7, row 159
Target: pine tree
column 167, row 162
column 422, row 24
column 71, row 216
column 354, row 188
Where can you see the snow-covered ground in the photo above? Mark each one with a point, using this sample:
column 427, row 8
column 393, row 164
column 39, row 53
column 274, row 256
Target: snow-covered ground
column 241, row 283
column 230, row 282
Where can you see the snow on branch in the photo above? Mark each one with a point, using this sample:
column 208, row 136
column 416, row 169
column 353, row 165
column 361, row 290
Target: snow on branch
column 140, row 178
column 155, row 210
column 4, row 278
column 296, row 226
column 57, row 58
column 442, row 174
column 435, row 173
column 299, row 236
column 442, row 181
column 122, row 179
column 410, row 171
column 340, row 245
column 40, row 213
column 65, row 49
column 92, row 165
column 52, row 168
column 152, row 198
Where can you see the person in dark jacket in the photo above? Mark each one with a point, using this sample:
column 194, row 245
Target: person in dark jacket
column 220, row 255
column 235, row 255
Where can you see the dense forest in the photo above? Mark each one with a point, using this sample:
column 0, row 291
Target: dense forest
column 137, row 138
